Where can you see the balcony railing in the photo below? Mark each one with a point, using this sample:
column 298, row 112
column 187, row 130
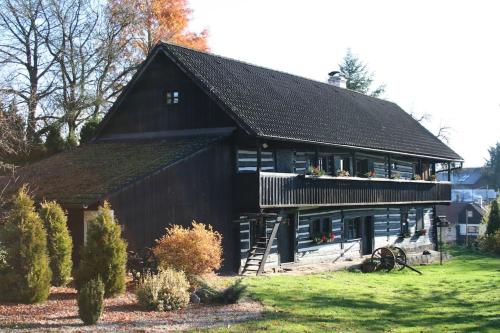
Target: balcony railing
column 269, row 189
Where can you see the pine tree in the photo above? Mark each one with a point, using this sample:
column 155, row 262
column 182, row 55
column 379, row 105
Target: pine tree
column 493, row 219
column 26, row 277
column 359, row 78
column 89, row 129
column 105, row 254
column 54, row 141
column 59, row 242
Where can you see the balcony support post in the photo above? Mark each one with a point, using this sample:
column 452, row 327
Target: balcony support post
column 259, row 156
column 354, row 166
column 389, row 166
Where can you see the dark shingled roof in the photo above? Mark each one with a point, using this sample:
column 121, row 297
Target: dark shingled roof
column 274, row 104
column 85, row 175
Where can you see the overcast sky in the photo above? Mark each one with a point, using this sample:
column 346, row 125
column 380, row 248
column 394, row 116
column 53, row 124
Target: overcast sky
column 436, row 57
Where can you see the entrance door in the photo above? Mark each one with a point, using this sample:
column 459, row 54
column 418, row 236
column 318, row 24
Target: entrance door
column 257, row 230
column 367, row 233
column 286, row 239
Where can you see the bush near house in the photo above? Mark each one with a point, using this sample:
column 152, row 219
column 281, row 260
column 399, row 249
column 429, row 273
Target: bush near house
column 26, row 274
column 493, row 221
column 490, row 242
column 59, row 242
column 196, row 250
column 230, row 294
column 104, row 254
column 165, row 291
column 90, row 301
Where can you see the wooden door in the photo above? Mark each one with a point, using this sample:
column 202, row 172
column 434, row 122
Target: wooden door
column 286, row 240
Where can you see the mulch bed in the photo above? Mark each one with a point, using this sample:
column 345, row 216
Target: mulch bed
column 121, row 314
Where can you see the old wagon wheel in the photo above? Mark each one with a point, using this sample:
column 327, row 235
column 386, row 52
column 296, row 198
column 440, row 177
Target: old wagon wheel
column 400, row 255
column 384, row 259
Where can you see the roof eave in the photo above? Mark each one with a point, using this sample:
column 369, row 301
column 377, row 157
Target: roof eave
column 385, row 151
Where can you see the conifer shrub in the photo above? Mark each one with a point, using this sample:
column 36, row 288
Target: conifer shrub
column 54, row 142
column 165, row 291
column 59, row 242
column 90, row 301
column 195, row 251
column 26, row 275
column 89, row 129
column 104, row 254
column 230, row 294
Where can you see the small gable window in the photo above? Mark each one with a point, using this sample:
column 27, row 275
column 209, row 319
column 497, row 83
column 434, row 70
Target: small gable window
column 172, row 97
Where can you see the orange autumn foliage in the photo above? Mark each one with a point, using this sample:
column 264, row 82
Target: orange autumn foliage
column 196, row 250
column 159, row 20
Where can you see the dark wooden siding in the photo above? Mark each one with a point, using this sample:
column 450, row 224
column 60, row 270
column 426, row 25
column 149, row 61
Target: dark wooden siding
column 199, row 188
column 75, row 226
column 144, row 108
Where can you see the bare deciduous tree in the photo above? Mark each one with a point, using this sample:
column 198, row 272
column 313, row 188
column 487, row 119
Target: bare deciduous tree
column 12, row 143
column 87, row 45
column 23, row 52
column 443, row 132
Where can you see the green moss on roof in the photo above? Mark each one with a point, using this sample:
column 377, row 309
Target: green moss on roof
column 86, row 174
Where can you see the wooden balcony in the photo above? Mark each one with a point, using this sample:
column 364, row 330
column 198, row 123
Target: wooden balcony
column 268, row 190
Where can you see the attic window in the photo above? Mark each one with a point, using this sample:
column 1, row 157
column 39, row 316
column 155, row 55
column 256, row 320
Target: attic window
column 172, row 97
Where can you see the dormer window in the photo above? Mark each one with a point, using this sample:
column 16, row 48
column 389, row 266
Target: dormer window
column 172, row 97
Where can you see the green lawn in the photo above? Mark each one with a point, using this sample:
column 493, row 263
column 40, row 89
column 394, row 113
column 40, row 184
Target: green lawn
column 463, row 295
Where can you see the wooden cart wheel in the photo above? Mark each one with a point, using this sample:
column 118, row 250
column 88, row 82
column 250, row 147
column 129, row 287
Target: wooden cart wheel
column 384, row 259
column 400, row 255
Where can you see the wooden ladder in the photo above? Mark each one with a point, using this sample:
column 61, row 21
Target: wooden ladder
column 257, row 256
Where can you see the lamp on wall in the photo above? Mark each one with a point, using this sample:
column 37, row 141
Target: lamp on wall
column 265, row 145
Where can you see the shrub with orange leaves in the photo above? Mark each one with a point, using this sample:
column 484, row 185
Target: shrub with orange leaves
column 196, row 250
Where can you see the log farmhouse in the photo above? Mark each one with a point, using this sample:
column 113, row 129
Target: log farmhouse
column 287, row 169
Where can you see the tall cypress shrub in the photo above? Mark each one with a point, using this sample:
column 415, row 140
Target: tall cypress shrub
column 105, row 254
column 493, row 219
column 26, row 276
column 59, row 242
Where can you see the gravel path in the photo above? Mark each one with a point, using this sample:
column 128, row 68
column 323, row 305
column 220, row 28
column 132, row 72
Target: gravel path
column 121, row 314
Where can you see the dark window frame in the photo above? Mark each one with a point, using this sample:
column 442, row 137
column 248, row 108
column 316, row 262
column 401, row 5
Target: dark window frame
column 320, row 226
column 352, row 228
column 173, row 97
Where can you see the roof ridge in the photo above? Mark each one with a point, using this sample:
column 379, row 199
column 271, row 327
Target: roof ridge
column 273, row 70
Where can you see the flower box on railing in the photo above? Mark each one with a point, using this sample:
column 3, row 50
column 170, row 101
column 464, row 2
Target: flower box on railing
column 324, row 238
